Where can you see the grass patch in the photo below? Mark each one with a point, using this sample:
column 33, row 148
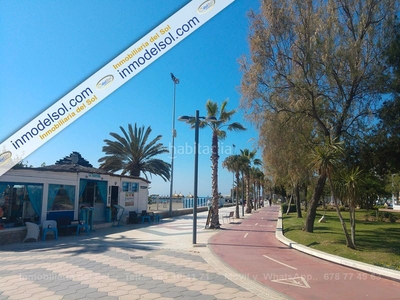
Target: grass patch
column 377, row 241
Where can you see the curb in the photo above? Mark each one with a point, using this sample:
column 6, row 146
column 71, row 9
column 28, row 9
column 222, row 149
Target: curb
column 374, row 270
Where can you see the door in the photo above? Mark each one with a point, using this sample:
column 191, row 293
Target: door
column 94, row 195
column 114, row 200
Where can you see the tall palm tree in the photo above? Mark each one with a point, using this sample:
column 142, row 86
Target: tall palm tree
column 134, row 153
column 258, row 176
column 223, row 117
column 253, row 181
column 250, row 155
column 235, row 163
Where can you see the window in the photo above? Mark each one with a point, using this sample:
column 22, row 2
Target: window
column 20, row 203
column 130, row 186
column 92, row 192
column 61, row 197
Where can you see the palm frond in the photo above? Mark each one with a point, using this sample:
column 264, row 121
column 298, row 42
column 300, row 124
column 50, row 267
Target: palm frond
column 133, row 153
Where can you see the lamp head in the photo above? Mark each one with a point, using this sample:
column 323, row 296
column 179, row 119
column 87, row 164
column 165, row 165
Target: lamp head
column 185, row 118
column 189, row 119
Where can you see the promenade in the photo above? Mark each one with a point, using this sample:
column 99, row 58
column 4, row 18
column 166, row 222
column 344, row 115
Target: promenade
column 243, row 260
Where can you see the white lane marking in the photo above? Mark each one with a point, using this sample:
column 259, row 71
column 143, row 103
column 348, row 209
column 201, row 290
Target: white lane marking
column 280, row 262
column 295, row 281
column 256, row 224
column 245, row 236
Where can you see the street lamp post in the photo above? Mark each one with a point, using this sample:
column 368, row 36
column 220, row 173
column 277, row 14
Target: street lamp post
column 176, row 81
column 242, row 195
column 196, row 171
column 196, row 120
column 233, row 178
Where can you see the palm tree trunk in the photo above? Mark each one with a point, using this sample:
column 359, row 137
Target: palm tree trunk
column 215, row 203
column 353, row 224
column 249, row 205
column 255, row 196
column 237, row 196
column 349, row 242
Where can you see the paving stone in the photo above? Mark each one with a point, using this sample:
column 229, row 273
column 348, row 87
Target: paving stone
column 205, row 297
column 171, row 294
column 191, row 293
column 96, row 295
column 66, row 292
column 158, row 290
column 108, row 298
column 84, row 292
column 178, row 289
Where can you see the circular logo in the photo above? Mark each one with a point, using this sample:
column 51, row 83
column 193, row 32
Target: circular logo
column 206, row 6
column 104, row 82
column 5, row 157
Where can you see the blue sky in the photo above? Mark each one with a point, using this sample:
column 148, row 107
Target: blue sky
column 47, row 48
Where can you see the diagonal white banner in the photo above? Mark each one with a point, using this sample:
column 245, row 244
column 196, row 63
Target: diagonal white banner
column 105, row 81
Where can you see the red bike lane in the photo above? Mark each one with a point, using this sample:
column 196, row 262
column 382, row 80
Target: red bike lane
column 249, row 246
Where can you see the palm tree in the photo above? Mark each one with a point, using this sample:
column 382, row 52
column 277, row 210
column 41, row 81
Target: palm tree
column 250, row 156
column 349, row 183
column 223, row 116
column 134, row 154
column 253, row 180
column 235, row 163
column 257, row 176
column 325, row 160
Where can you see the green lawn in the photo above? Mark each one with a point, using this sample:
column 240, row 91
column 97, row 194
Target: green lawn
column 377, row 240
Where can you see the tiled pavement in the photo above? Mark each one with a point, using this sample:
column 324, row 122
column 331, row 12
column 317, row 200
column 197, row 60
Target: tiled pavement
column 127, row 262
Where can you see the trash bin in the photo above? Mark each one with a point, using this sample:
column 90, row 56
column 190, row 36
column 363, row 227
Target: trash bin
column 108, row 214
column 132, row 217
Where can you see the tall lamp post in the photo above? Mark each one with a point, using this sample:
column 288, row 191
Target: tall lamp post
column 242, row 195
column 196, row 120
column 233, row 178
column 176, row 81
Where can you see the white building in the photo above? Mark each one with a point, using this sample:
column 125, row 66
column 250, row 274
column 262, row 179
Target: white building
column 60, row 191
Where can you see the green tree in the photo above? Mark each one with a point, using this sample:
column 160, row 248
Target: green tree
column 320, row 61
column 133, row 153
column 218, row 128
column 250, row 156
column 22, row 165
column 236, row 164
column 286, row 152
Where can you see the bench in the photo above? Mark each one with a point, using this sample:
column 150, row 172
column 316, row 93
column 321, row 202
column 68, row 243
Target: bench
column 227, row 216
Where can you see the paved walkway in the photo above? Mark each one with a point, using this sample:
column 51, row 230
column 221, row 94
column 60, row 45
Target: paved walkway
column 134, row 261
column 158, row 261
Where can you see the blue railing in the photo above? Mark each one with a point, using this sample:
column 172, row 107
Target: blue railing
column 188, row 202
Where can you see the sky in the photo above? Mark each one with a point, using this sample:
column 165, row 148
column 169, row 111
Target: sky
column 47, row 48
